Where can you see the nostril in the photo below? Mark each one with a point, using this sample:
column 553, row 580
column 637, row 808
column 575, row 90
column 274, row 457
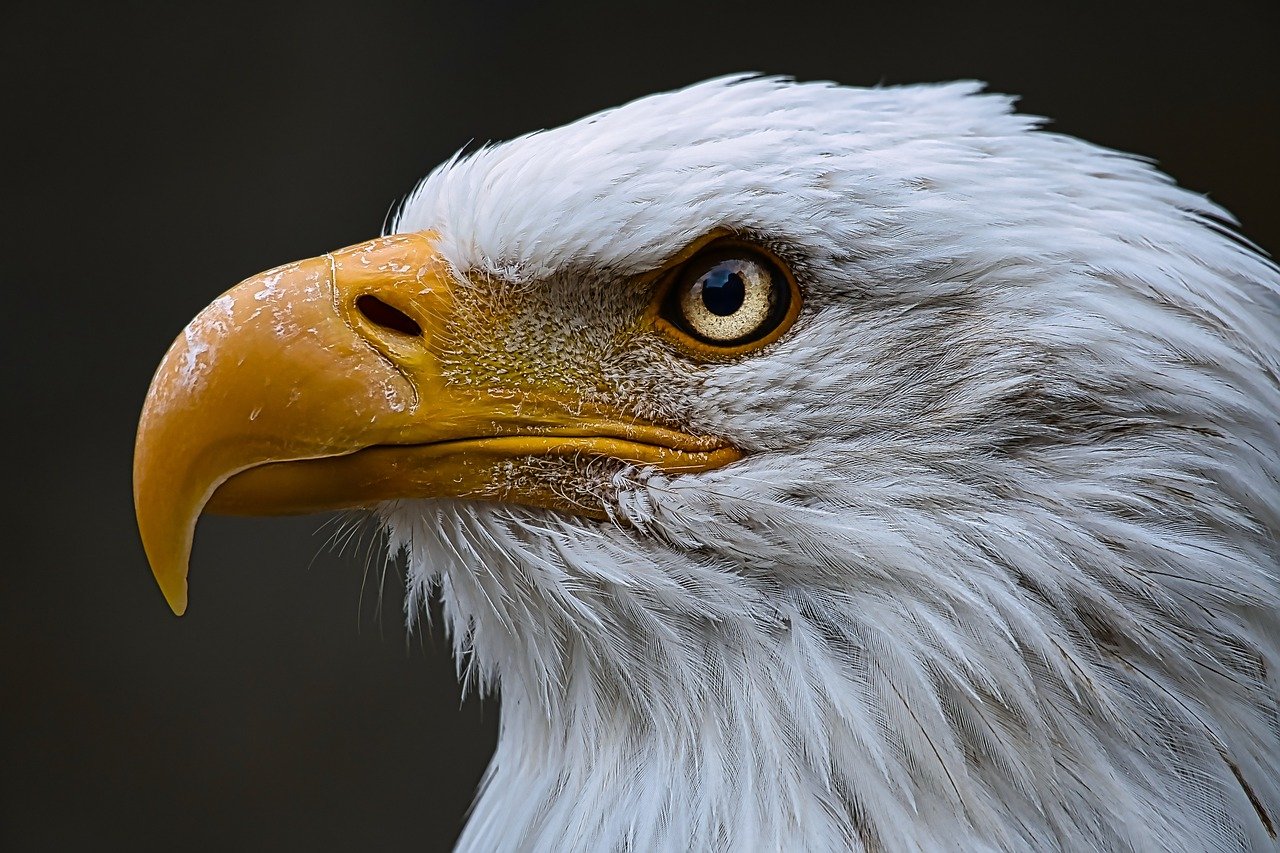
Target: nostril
column 388, row 317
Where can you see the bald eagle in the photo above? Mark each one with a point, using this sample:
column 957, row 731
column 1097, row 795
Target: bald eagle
column 808, row 467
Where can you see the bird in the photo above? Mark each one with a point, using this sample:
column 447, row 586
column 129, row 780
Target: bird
column 805, row 467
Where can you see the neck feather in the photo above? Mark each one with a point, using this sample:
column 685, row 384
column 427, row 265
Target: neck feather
column 653, row 700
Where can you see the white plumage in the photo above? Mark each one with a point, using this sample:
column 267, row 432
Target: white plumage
column 999, row 571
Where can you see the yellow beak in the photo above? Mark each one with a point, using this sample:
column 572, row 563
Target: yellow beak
column 322, row 385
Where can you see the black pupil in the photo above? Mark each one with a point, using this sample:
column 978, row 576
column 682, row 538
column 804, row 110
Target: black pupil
column 723, row 290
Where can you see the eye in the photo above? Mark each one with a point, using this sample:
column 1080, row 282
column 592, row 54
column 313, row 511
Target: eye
column 729, row 297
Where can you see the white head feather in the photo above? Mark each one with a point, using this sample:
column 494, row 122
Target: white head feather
column 1000, row 568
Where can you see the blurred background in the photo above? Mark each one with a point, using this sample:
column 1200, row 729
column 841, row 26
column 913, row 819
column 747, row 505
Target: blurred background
column 160, row 153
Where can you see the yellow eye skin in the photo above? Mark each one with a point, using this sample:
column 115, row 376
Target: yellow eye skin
column 724, row 298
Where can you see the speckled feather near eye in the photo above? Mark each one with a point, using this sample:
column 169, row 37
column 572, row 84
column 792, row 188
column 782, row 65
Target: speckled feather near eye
column 999, row 571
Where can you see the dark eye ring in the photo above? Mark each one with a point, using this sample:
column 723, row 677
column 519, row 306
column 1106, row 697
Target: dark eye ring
column 729, row 298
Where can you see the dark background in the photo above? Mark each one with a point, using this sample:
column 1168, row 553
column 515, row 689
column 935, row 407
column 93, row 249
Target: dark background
column 159, row 154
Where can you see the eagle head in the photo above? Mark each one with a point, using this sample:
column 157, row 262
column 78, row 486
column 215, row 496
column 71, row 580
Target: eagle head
column 807, row 467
